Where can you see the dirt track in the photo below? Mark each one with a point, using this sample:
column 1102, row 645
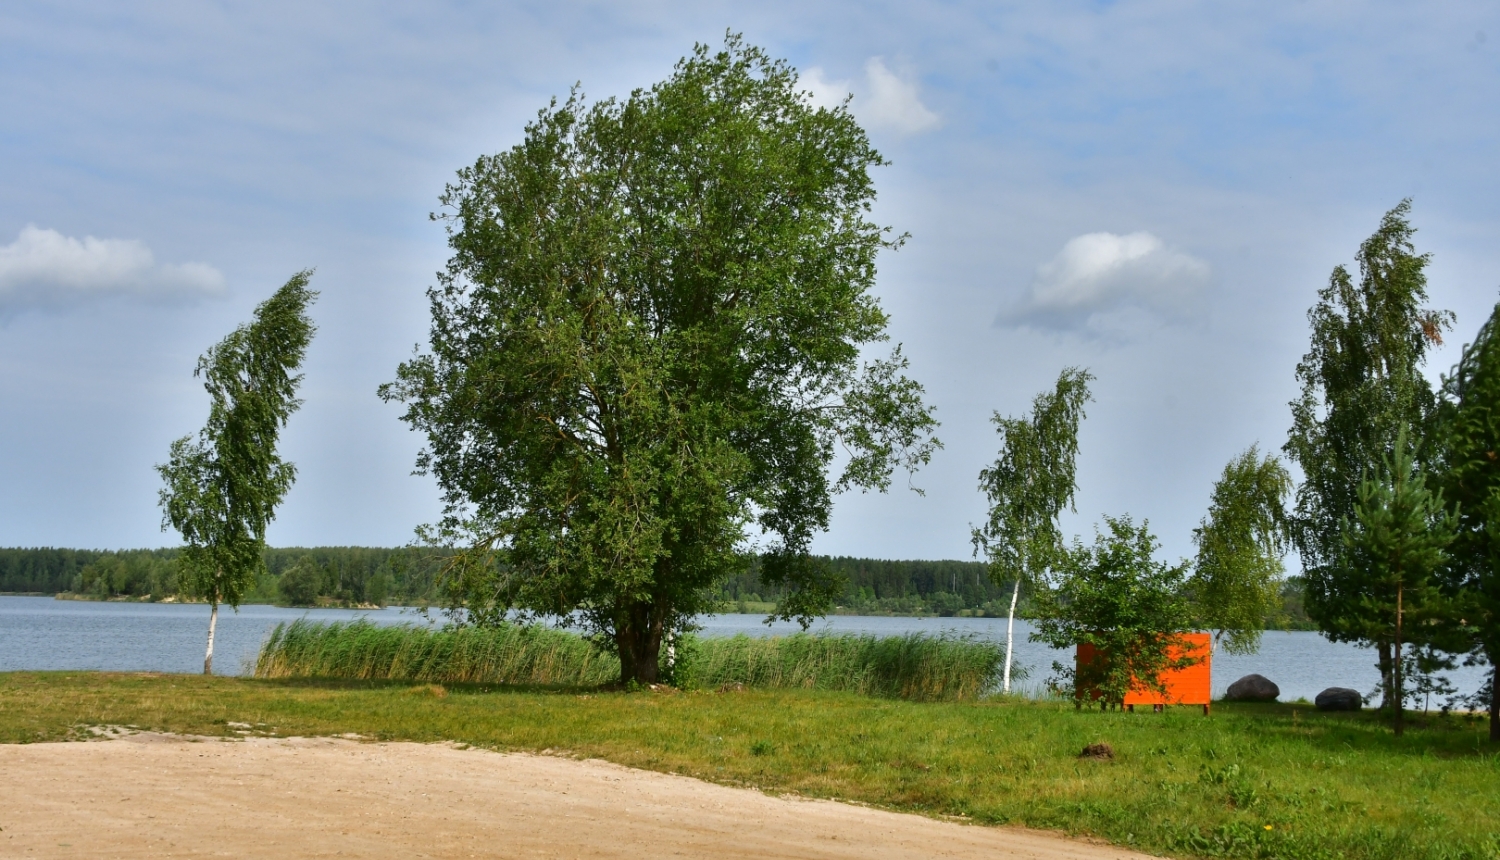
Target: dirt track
column 158, row 796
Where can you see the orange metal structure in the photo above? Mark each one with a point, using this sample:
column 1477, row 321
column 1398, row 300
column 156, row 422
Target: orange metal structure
column 1190, row 686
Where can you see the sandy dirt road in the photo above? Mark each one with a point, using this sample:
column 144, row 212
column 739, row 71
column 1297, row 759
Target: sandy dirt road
column 150, row 795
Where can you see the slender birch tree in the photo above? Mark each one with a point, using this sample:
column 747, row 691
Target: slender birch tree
column 1028, row 486
column 1361, row 382
column 222, row 488
column 1237, row 576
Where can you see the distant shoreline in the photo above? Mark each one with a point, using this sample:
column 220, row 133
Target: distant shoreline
column 730, row 608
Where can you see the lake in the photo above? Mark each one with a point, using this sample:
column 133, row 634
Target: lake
column 40, row 633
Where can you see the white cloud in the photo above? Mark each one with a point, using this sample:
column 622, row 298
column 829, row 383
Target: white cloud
column 44, row 268
column 825, row 93
column 1101, row 275
column 882, row 100
column 893, row 102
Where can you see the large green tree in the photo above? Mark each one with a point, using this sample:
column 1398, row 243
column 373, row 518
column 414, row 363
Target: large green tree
column 1237, row 576
column 646, row 349
column 222, row 489
column 1028, row 486
column 1469, row 433
column 1361, row 383
column 1396, row 543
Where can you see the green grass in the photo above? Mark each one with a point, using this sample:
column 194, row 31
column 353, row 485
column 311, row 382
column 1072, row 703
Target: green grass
column 914, row 666
column 1248, row 781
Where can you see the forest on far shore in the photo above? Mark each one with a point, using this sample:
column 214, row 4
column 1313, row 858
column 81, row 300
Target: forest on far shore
column 365, row 576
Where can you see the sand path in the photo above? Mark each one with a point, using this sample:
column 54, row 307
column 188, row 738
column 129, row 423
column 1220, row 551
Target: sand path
column 149, row 795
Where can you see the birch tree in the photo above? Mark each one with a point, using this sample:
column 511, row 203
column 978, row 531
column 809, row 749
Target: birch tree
column 1361, row 383
column 1027, row 487
column 222, row 488
column 1237, row 576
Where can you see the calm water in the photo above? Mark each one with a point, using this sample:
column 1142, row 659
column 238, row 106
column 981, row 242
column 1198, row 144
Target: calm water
column 42, row 633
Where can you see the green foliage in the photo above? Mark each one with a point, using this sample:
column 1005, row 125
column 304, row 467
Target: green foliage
column 139, row 573
column 1115, row 596
column 909, row 667
column 1361, row 383
column 1033, row 480
column 352, row 575
column 1469, row 430
column 340, row 576
column 300, row 585
column 223, row 488
column 42, row 570
column 1290, row 613
column 884, row 587
column 1236, row 580
column 647, row 344
column 1395, row 545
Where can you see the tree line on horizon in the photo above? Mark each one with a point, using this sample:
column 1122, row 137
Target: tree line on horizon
column 354, row 576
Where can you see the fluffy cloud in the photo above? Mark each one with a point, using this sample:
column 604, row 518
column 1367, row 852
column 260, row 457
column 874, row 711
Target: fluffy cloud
column 893, row 102
column 44, row 268
column 1098, row 275
column 882, row 100
column 825, row 93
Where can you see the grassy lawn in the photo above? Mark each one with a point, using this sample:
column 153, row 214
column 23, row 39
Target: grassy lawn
column 1248, row 781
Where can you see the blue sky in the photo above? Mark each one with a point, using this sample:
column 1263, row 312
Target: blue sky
column 1153, row 190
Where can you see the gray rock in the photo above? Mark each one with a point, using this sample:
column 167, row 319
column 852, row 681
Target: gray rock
column 1339, row 699
column 1253, row 688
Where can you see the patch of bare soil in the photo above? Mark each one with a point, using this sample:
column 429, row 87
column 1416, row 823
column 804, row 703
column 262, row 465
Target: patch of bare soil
column 150, row 795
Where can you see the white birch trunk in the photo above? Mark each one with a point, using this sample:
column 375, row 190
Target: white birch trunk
column 1010, row 633
column 208, row 658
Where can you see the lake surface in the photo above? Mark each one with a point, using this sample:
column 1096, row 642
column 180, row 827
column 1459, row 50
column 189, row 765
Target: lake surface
column 41, row 633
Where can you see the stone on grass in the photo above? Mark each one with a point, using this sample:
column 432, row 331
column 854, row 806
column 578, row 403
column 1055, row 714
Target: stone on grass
column 1101, row 751
column 1253, row 688
column 1339, row 699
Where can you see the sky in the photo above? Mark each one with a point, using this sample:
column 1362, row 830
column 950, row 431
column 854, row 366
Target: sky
column 1152, row 190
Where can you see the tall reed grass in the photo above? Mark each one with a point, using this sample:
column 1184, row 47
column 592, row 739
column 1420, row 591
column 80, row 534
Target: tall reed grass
column 508, row 654
column 913, row 666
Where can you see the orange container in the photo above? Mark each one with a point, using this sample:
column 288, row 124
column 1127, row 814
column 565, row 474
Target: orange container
column 1190, row 686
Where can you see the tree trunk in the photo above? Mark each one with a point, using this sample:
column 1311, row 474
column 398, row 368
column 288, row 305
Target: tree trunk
column 1010, row 632
column 1494, row 701
column 208, row 657
column 1399, row 694
column 1383, row 650
column 638, row 640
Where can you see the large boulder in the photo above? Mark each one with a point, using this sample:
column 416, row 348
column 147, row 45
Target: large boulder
column 1253, row 688
column 1339, row 699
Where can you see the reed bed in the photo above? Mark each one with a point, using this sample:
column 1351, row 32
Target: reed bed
column 913, row 666
column 508, row 654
